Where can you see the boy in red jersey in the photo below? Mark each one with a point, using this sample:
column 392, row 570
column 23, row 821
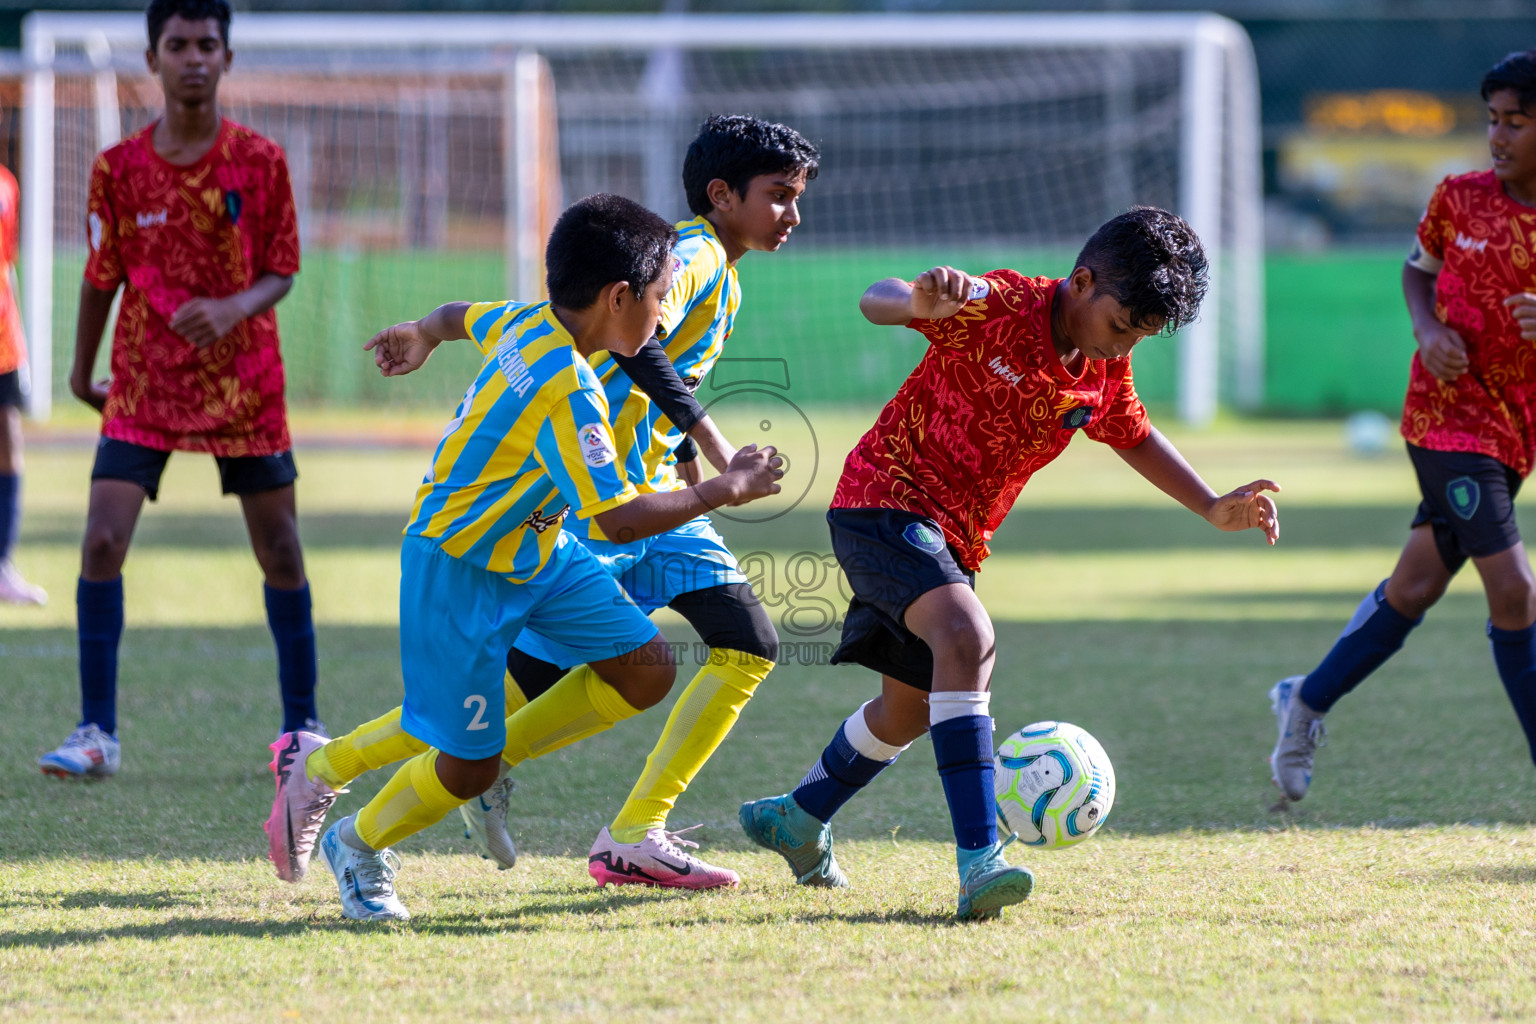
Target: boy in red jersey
column 13, row 588
column 194, row 218
column 1015, row 367
column 1470, row 423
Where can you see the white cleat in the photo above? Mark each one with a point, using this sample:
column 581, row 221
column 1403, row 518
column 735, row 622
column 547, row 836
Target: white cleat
column 300, row 806
column 658, row 859
column 485, row 823
column 366, row 880
column 14, row 589
column 1301, row 732
column 89, row 753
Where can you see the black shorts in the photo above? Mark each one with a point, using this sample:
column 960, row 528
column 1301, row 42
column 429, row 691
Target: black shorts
column 10, row 390
column 138, row 464
column 891, row 558
column 1469, row 502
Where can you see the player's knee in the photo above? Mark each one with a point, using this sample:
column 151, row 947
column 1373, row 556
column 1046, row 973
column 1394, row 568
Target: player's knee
column 965, row 639
column 467, row 779
column 643, row 677
column 281, row 557
column 1512, row 601
column 103, row 550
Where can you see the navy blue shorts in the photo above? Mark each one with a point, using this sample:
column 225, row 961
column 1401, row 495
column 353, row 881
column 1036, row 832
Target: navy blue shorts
column 138, row 464
column 891, row 558
column 1469, row 502
column 10, row 390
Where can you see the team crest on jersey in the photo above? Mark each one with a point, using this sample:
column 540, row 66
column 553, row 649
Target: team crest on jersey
column 980, row 288
column 1464, row 495
column 596, row 446
column 538, row 521
column 1075, row 418
column 923, row 537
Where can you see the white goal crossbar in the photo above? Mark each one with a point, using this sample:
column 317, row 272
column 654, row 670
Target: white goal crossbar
column 1219, row 124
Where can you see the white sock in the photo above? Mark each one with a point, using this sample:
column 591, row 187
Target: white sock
column 949, row 704
column 866, row 742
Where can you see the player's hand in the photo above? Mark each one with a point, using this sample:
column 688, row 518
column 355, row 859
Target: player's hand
column 1247, row 508
column 1523, row 307
column 93, row 394
column 754, row 473
column 1442, row 351
column 939, row 293
column 203, row 321
column 402, row 348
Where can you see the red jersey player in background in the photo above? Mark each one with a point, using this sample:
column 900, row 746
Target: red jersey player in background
column 13, row 345
column 1470, row 423
column 193, row 218
column 1015, row 367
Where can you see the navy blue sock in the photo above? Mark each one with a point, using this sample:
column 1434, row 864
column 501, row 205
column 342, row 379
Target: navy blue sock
column 99, row 607
column 10, row 512
column 833, row 780
column 963, row 748
column 1374, row 634
column 1514, row 652
column 293, row 627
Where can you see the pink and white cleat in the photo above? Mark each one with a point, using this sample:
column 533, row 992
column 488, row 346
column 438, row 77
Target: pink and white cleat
column 14, row 589
column 658, row 859
column 300, row 806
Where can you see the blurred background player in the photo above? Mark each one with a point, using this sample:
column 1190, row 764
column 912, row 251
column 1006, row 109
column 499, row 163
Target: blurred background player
column 1015, row 367
column 14, row 589
column 193, row 217
column 485, row 554
column 743, row 178
column 1470, row 423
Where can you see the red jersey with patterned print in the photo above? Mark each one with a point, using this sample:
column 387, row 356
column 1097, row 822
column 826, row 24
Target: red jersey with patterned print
column 13, row 343
column 170, row 234
column 988, row 406
column 1481, row 244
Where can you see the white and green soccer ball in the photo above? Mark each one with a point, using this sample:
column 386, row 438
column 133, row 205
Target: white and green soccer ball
column 1054, row 784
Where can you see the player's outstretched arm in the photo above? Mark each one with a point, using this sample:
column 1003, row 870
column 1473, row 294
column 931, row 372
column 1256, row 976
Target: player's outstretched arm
column 1522, row 307
column 936, row 294
column 753, row 473
column 1442, row 351
column 90, row 324
column 405, row 347
column 203, row 321
column 1246, row 508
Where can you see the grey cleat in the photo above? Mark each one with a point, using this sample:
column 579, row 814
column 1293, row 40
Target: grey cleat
column 1301, row 733
column 485, row 823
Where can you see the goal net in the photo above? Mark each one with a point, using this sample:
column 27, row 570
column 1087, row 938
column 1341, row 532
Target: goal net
column 430, row 153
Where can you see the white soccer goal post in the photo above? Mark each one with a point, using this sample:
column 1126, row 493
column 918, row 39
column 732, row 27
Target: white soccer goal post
column 956, row 137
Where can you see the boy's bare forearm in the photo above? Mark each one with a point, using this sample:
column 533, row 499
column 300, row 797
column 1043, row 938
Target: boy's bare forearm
column 90, row 324
column 446, row 322
column 658, row 512
column 1160, row 463
column 268, row 291
column 888, row 302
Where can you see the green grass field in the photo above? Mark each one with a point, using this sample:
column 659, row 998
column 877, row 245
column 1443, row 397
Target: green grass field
column 1402, row 889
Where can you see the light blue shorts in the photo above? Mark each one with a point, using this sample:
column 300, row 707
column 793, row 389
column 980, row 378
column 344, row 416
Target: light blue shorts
column 457, row 621
column 652, row 572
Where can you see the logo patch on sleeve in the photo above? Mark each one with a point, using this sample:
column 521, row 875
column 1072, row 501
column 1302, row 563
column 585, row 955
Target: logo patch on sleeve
column 1075, row 418
column 94, row 223
column 596, row 446
column 980, row 288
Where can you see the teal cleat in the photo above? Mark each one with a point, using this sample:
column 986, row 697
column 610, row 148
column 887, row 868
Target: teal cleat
column 988, row 884
column 779, row 824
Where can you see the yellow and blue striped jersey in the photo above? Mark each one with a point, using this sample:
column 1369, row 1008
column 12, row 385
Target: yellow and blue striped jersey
column 530, row 441
column 696, row 318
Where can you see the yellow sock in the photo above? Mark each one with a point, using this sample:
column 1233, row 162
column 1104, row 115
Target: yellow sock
column 698, row 724
column 516, row 698
column 371, row 745
column 411, row 801
column 578, row 706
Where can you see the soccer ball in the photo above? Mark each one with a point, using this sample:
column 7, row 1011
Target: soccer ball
column 1054, row 784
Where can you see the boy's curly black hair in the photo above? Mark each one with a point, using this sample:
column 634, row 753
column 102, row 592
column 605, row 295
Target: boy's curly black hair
column 161, row 11
column 1151, row 262
column 737, row 148
column 1516, row 71
column 602, row 239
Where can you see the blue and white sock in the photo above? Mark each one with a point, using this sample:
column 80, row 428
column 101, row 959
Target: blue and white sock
column 290, row 616
column 961, row 727
column 1514, row 652
column 99, row 610
column 850, row 762
column 1374, row 634
column 10, row 513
